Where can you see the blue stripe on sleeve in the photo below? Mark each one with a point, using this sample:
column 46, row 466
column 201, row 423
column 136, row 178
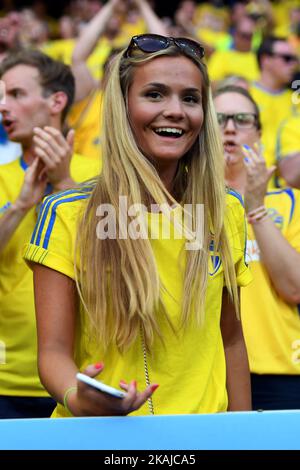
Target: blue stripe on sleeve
column 37, row 222
column 290, row 192
column 53, row 216
column 45, row 209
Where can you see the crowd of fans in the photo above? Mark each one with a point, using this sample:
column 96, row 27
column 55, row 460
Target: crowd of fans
column 251, row 47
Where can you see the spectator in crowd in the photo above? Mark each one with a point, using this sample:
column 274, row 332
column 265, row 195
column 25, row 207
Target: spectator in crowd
column 240, row 58
column 278, row 62
column 9, row 34
column 39, row 93
column 153, row 311
column 269, row 310
column 84, row 114
column 288, row 151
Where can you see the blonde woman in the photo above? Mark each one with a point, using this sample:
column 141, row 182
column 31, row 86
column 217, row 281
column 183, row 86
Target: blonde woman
column 129, row 305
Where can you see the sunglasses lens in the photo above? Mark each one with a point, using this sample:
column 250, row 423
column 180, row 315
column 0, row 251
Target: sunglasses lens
column 286, row 57
column 290, row 58
column 191, row 47
column 150, row 43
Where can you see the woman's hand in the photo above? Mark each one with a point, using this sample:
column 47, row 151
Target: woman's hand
column 87, row 401
column 258, row 176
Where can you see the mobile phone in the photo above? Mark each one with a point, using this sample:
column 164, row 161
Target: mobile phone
column 100, row 385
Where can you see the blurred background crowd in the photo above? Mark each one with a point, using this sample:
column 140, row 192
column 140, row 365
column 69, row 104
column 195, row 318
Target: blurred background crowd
column 254, row 45
column 232, row 33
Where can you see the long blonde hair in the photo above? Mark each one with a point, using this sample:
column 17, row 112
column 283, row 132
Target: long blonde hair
column 118, row 279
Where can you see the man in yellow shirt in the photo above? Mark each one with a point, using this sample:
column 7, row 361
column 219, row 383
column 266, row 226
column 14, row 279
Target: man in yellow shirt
column 277, row 61
column 288, row 152
column 39, row 93
column 239, row 59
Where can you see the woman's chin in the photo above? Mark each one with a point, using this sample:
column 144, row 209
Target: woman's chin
column 232, row 159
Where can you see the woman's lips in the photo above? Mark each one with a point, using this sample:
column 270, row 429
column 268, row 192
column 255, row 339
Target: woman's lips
column 230, row 147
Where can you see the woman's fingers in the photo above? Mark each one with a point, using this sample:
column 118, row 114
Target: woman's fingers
column 134, row 399
column 124, row 385
column 94, row 369
column 143, row 396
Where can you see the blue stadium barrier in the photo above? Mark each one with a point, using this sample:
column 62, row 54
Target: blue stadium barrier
column 225, row 431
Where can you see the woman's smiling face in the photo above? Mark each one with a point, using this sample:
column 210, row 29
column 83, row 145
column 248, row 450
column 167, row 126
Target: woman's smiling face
column 165, row 108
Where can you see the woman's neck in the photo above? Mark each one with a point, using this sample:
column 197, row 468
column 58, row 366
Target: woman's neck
column 236, row 178
column 167, row 175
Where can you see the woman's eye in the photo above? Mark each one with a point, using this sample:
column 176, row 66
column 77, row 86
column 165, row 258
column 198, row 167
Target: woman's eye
column 191, row 99
column 155, row 95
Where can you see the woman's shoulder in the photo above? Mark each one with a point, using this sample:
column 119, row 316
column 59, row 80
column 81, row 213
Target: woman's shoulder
column 233, row 198
column 69, row 201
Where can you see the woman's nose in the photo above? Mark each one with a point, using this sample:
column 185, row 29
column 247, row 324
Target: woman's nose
column 174, row 108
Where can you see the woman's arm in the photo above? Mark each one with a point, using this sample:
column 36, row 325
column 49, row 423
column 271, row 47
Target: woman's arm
column 280, row 259
column 154, row 24
column 237, row 367
column 88, row 39
column 84, row 47
column 56, row 305
column 289, row 169
column 56, row 308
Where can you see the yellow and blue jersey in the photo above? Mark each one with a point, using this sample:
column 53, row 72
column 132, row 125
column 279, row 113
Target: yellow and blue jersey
column 194, row 354
column 85, row 118
column 271, row 325
column 19, row 375
column 288, row 143
column 274, row 109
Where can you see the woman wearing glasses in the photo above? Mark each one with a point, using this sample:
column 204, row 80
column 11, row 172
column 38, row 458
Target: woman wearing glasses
column 270, row 314
column 158, row 260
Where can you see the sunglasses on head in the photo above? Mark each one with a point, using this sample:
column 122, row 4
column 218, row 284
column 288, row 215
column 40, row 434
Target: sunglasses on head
column 155, row 42
column 286, row 57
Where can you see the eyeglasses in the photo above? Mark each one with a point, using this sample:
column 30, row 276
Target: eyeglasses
column 155, row 42
column 240, row 120
column 286, row 57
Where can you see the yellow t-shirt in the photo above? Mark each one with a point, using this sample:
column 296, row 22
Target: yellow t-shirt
column 59, row 49
column 288, row 143
column 86, row 119
column 190, row 367
column 223, row 64
column 272, row 326
column 62, row 49
column 18, row 361
column 274, row 108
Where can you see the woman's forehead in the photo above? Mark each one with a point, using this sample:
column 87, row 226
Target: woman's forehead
column 233, row 101
column 165, row 68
